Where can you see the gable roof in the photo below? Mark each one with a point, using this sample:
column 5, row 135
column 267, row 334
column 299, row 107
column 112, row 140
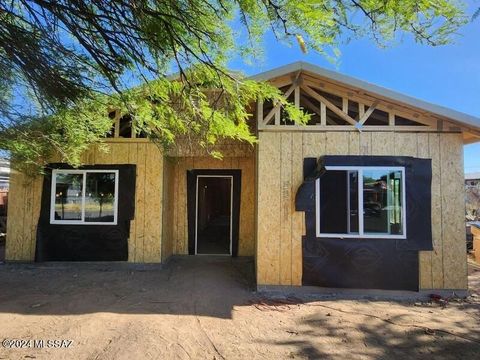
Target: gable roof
column 457, row 116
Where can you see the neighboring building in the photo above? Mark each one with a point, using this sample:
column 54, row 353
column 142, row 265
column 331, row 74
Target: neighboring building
column 472, row 180
column 4, row 173
column 369, row 194
column 472, row 197
column 4, row 179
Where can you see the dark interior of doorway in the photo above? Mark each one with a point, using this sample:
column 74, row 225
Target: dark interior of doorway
column 214, row 215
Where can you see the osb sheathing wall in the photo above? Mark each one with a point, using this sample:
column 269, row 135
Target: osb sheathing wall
column 23, row 212
column 145, row 230
column 280, row 228
column 168, row 208
column 180, row 221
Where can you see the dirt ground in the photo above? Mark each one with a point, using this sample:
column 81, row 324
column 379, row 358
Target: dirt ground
column 205, row 308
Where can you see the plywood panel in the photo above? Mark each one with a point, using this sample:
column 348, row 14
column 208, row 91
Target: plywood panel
column 286, row 193
column 27, row 217
column 229, row 148
column 88, row 156
column 103, row 154
column 168, row 208
column 23, row 212
column 298, row 219
column 181, row 202
column 176, row 208
column 153, row 204
column 13, row 244
column 365, row 143
column 354, row 143
column 120, row 153
column 405, row 144
column 437, row 238
column 268, row 232
column 132, row 159
column 453, row 212
column 314, row 144
column 337, row 143
column 382, row 143
column 140, row 204
column 37, row 184
column 247, row 212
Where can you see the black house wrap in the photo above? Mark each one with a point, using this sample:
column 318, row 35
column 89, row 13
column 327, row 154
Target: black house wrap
column 390, row 264
column 62, row 242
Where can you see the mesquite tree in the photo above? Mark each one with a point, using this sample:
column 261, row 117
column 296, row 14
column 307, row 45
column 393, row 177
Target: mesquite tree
column 64, row 64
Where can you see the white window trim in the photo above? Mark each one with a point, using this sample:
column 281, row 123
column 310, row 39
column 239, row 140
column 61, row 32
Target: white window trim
column 361, row 234
column 82, row 221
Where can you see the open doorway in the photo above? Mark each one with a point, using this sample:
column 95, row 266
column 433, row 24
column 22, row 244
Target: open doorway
column 213, row 233
column 213, row 211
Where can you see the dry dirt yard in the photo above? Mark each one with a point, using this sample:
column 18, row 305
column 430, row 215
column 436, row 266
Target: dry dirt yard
column 205, row 308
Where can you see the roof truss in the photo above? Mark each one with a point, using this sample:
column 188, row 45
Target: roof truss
column 308, row 91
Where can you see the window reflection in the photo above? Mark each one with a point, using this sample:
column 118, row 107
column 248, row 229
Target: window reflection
column 100, row 197
column 382, row 207
column 68, row 196
column 361, row 201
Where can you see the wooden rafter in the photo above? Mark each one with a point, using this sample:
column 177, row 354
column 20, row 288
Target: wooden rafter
column 329, row 105
column 310, row 105
column 277, row 106
column 307, row 88
column 364, row 98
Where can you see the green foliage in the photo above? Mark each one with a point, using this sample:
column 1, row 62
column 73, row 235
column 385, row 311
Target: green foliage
column 64, row 64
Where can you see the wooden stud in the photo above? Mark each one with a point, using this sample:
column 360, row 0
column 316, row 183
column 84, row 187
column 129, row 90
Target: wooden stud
column 277, row 116
column 323, row 114
column 260, row 113
column 361, row 110
column 369, row 112
column 297, row 97
column 345, row 105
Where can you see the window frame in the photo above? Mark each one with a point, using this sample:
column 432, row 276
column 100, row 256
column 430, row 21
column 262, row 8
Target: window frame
column 84, row 183
column 361, row 233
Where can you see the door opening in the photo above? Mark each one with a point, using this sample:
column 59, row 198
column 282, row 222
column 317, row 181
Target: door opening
column 213, row 205
column 214, row 200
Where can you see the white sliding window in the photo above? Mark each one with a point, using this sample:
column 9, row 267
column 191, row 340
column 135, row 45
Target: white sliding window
column 87, row 197
column 361, row 202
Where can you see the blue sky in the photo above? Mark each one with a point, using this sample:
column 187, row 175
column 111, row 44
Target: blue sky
column 447, row 75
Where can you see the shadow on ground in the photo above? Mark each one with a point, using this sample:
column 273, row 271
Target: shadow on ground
column 202, row 285
column 206, row 307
